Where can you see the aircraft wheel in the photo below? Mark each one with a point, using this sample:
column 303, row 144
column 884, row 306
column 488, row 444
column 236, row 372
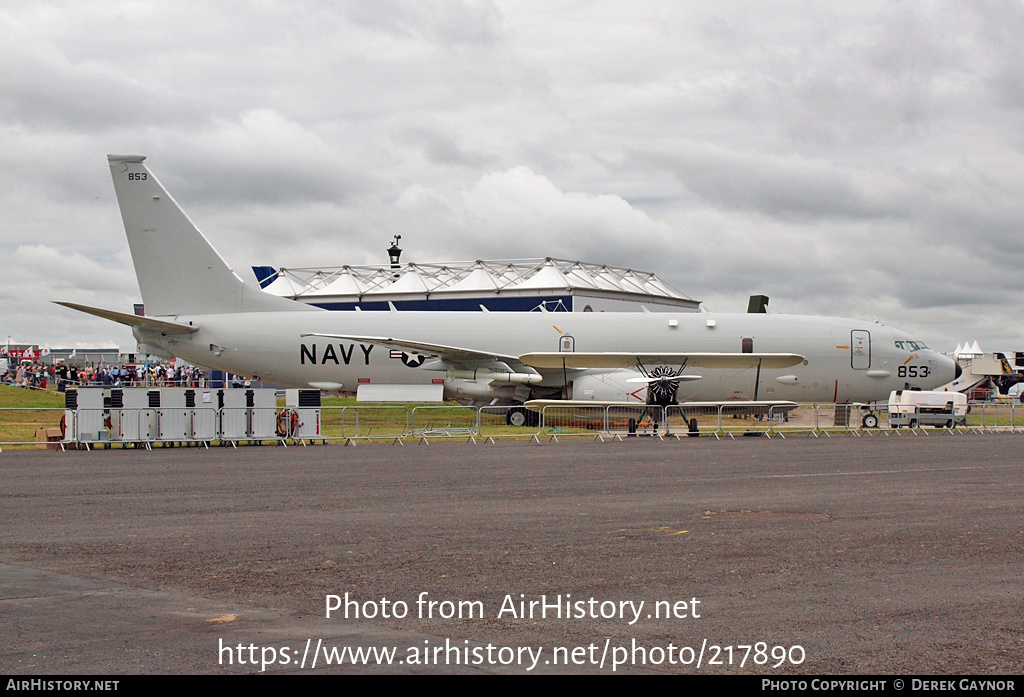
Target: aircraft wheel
column 515, row 417
column 520, row 416
column 693, row 430
column 870, row 421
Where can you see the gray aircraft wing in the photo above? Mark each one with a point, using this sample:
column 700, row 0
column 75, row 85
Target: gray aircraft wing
column 724, row 361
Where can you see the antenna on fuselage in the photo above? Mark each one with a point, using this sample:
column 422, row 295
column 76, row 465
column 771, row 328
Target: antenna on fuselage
column 758, row 304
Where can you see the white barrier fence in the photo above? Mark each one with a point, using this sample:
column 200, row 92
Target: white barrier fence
column 58, row 428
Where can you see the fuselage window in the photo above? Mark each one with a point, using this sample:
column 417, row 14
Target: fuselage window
column 747, row 345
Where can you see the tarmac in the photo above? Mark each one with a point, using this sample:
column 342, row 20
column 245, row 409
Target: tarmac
column 802, row 556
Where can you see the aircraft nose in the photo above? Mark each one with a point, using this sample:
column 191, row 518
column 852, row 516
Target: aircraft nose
column 948, row 369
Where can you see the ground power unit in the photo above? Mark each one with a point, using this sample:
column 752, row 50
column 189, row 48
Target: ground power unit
column 300, row 419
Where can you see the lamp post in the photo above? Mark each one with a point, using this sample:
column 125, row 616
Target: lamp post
column 394, row 253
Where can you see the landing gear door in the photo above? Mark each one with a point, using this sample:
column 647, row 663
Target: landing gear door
column 860, row 349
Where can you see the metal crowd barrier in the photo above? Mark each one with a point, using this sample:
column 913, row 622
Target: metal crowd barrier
column 495, row 422
column 444, row 422
column 89, row 427
column 365, row 423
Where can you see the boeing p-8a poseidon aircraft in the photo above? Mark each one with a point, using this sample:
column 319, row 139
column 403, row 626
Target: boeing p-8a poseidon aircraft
column 199, row 309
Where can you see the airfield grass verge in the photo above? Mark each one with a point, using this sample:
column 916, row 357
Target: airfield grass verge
column 24, row 410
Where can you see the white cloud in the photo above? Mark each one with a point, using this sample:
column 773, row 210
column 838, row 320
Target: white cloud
column 519, row 214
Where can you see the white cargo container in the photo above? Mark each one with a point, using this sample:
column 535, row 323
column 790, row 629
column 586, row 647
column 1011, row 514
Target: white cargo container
column 86, row 415
column 200, row 415
column 247, row 414
column 134, row 414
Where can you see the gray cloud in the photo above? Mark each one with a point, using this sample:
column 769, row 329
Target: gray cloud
column 860, row 160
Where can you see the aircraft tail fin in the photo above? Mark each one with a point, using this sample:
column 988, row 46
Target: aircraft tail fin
column 179, row 271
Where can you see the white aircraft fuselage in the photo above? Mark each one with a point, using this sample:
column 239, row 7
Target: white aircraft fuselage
column 271, row 346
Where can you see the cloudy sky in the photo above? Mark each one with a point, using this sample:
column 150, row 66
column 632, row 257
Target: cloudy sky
column 855, row 159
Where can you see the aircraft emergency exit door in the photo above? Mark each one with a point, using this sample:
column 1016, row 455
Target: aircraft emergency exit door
column 860, row 349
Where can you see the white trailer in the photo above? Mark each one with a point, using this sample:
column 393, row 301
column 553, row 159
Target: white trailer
column 915, row 408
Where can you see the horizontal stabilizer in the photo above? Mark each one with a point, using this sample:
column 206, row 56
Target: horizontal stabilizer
column 156, row 325
column 713, row 361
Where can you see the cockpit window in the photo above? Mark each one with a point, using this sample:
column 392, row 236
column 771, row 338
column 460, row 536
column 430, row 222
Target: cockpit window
column 911, row 345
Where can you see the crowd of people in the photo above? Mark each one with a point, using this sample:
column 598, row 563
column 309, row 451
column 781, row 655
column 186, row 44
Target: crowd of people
column 37, row 375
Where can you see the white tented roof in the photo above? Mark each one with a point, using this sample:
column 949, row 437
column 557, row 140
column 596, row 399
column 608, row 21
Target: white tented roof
column 548, row 277
column 484, row 279
column 344, row 283
column 475, row 281
column 286, row 286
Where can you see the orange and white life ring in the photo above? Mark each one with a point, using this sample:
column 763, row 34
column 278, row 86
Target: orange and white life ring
column 287, row 423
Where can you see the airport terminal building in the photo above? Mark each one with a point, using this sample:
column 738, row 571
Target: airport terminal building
column 555, row 285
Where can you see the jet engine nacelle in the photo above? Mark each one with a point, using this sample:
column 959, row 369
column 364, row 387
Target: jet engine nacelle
column 610, row 386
